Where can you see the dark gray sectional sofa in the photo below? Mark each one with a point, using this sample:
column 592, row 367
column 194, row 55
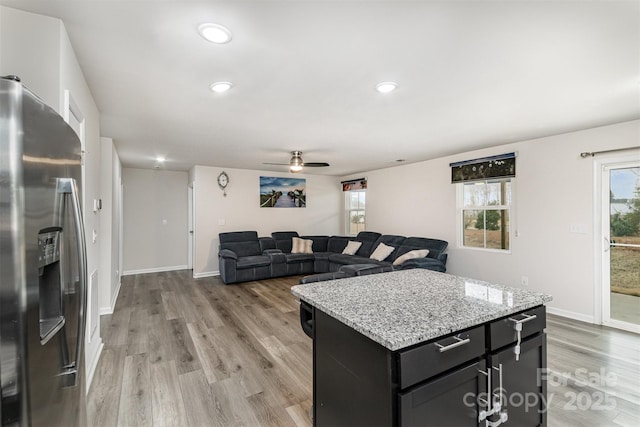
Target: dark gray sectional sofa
column 244, row 256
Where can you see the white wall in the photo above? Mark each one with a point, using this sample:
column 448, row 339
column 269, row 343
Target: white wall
column 37, row 49
column 110, row 248
column 241, row 211
column 155, row 220
column 554, row 188
column 30, row 49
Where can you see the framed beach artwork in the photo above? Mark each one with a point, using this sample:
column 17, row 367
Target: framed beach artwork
column 278, row 192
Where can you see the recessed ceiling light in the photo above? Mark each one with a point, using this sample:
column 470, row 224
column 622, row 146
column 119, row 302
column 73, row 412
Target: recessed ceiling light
column 160, row 159
column 219, row 87
column 215, row 33
column 386, row 87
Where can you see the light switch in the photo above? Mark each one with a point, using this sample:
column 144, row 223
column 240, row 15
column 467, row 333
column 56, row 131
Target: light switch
column 221, row 222
column 94, row 235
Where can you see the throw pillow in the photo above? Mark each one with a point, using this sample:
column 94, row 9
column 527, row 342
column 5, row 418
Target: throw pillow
column 296, row 245
column 352, row 248
column 301, row 246
column 308, row 246
column 381, row 252
column 418, row 253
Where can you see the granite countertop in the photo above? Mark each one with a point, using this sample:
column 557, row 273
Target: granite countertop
column 407, row 307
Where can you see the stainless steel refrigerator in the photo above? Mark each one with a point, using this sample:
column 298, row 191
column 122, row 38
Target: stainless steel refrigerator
column 42, row 264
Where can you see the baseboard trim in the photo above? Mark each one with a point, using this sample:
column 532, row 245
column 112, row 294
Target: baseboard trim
column 109, row 310
column 154, row 270
column 94, row 364
column 571, row 314
column 205, row 274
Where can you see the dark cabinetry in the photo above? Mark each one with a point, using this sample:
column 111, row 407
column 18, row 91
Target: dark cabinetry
column 450, row 400
column 519, row 353
column 488, row 375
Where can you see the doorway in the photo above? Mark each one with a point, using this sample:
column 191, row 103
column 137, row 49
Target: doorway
column 190, row 226
column 620, row 242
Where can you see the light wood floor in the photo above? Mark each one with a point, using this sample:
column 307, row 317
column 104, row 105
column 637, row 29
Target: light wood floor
column 185, row 352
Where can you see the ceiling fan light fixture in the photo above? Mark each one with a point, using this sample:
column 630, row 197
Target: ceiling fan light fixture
column 386, row 87
column 215, row 33
column 296, row 163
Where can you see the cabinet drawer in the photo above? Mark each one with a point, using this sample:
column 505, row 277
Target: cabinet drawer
column 427, row 360
column 451, row 400
column 503, row 331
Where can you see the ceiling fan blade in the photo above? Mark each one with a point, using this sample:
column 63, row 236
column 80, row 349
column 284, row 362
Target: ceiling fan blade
column 277, row 164
column 316, row 165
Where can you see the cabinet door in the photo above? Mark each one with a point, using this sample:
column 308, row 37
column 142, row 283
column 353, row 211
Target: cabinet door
column 524, row 387
column 351, row 376
column 451, row 400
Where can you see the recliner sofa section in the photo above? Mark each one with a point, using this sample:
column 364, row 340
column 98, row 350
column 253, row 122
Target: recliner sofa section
column 245, row 257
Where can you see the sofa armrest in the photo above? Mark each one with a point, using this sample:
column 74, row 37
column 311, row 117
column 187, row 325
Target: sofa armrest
column 228, row 265
column 226, row 253
column 426, row 263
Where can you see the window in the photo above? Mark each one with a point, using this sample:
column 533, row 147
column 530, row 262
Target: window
column 484, row 209
column 355, row 211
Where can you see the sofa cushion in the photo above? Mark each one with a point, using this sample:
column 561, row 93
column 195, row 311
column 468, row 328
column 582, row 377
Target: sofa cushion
column 381, row 252
column 253, row 261
column 343, row 259
column 301, row 246
column 319, row 243
column 321, row 277
column 293, row 258
column 351, row 248
column 283, row 240
column 243, row 243
column 352, row 270
column 389, row 240
column 266, row 243
column 416, row 253
column 368, row 239
column 426, row 263
column 337, row 244
column 436, row 247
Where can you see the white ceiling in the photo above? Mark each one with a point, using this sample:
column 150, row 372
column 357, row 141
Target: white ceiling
column 471, row 74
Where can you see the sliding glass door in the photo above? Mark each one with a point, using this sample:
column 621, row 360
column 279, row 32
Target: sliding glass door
column 621, row 245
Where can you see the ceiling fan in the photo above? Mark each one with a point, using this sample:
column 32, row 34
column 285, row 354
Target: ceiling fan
column 296, row 163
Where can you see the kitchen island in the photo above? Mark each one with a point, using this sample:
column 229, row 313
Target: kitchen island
column 417, row 347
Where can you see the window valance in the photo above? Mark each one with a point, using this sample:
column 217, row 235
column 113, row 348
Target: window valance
column 354, row 184
column 501, row 166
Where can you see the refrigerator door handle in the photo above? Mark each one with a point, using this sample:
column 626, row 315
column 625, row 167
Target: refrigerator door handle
column 69, row 186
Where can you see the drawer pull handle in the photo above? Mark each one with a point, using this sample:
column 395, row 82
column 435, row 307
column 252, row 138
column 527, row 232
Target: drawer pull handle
column 458, row 343
column 517, row 325
column 527, row 317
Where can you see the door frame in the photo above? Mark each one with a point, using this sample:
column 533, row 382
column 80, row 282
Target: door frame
column 190, row 225
column 601, row 213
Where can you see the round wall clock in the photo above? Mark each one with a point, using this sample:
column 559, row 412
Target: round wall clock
column 223, row 181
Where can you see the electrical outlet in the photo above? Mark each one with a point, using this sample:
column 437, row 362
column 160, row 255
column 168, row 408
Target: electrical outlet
column 524, row 281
